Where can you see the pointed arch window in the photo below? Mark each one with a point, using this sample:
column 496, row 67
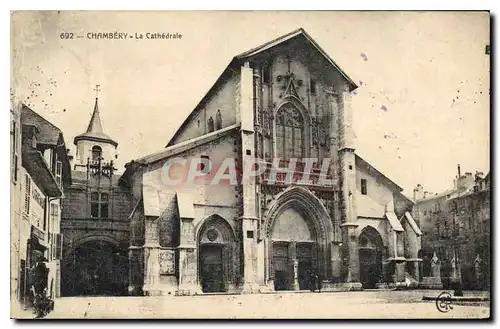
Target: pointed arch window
column 289, row 133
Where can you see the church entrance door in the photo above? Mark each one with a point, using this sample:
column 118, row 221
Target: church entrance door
column 212, row 278
column 369, row 270
column 283, row 274
column 305, row 270
column 370, row 257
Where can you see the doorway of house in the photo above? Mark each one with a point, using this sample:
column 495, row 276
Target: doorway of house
column 212, row 276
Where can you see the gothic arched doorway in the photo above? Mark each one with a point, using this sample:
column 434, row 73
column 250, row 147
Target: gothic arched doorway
column 215, row 255
column 95, row 268
column 298, row 235
column 370, row 257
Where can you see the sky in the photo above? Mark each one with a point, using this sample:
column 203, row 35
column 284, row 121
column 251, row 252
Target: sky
column 422, row 105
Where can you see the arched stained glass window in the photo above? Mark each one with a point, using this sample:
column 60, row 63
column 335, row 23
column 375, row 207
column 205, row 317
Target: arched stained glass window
column 289, row 133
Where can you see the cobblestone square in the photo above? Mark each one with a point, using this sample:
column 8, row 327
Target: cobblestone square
column 307, row 305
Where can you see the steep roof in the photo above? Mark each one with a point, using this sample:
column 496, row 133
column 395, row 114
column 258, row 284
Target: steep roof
column 175, row 149
column 94, row 130
column 189, row 144
column 48, row 134
column 360, row 161
column 239, row 59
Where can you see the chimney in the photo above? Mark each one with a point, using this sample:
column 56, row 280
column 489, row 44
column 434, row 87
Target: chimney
column 458, row 167
column 418, row 192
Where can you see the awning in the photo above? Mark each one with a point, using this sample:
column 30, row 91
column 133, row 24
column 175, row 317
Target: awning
column 413, row 224
column 395, row 223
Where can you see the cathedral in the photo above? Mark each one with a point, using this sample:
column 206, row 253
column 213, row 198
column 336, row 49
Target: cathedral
column 286, row 99
column 287, row 104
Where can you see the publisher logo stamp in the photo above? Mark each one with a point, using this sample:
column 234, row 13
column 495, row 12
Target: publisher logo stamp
column 443, row 302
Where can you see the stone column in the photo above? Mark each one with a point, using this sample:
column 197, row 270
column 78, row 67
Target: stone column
column 250, row 284
column 135, row 271
column 351, row 259
column 188, row 260
column 151, row 248
column 347, row 174
column 245, row 113
column 336, row 262
column 296, row 285
column 399, row 272
column 294, row 264
column 416, row 269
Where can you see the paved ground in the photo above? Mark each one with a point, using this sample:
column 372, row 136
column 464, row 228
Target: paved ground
column 335, row 305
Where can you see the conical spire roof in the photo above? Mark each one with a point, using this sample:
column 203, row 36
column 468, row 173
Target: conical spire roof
column 94, row 130
column 95, row 125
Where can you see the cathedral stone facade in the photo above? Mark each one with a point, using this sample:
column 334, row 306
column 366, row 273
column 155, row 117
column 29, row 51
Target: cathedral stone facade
column 351, row 226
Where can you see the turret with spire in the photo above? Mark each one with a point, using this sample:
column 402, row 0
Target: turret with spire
column 94, row 144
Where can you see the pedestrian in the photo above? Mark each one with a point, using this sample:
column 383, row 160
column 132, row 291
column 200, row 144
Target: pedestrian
column 318, row 282
column 41, row 275
column 43, row 305
column 312, row 282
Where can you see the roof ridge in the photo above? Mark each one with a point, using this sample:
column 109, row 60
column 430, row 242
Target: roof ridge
column 301, row 30
column 200, row 140
column 41, row 117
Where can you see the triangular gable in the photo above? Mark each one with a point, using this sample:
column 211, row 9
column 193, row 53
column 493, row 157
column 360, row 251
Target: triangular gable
column 238, row 59
column 297, row 33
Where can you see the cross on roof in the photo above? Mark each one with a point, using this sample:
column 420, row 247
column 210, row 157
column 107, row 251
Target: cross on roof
column 97, row 90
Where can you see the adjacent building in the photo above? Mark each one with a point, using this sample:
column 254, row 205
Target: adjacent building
column 40, row 175
column 456, row 227
column 16, row 220
column 285, row 99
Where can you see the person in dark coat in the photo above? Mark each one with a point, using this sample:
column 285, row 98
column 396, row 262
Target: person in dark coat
column 318, row 282
column 41, row 276
column 312, row 282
